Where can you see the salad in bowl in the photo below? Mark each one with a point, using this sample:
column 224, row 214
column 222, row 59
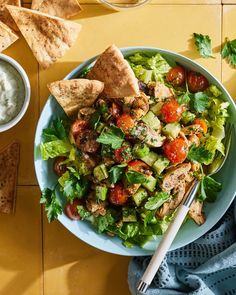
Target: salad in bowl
column 135, row 134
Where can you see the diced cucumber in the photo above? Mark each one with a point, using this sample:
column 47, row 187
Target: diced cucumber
column 139, row 196
column 150, row 184
column 151, row 120
column 129, row 215
column 150, row 158
column 140, row 150
column 171, row 129
column 156, row 108
column 100, row 172
column 160, row 164
column 187, row 117
column 101, row 192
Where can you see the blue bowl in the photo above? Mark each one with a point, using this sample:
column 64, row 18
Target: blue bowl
column 189, row 231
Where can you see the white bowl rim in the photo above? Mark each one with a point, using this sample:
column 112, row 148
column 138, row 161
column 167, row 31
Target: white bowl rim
column 88, row 63
column 26, row 82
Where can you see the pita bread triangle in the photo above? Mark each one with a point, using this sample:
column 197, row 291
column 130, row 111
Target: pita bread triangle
column 49, row 37
column 75, row 94
column 117, row 75
column 9, row 160
column 60, row 8
column 7, row 36
column 5, row 16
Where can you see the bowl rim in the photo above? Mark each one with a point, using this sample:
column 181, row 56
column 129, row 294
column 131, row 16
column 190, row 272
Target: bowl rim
column 126, row 51
column 26, row 82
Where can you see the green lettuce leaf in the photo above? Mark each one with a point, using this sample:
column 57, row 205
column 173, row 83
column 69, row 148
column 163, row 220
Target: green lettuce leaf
column 54, row 149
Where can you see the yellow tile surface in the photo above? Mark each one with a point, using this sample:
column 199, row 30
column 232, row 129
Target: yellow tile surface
column 97, row 34
column 229, row 1
column 229, row 23
column 72, row 267
column 25, row 129
column 20, row 246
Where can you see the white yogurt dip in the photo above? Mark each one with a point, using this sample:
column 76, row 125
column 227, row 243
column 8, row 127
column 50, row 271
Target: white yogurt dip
column 12, row 92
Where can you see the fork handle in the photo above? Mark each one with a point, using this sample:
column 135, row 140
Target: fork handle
column 163, row 248
column 167, row 239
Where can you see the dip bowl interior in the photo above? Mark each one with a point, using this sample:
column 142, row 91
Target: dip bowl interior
column 189, row 230
column 26, row 86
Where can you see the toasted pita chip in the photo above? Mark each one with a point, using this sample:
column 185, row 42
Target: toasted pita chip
column 36, row 4
column 7, row 36
column 118, row 77
column 49, row 37
column 9, row 160
column 60, row 8
column 75, row 94
column 5, row 16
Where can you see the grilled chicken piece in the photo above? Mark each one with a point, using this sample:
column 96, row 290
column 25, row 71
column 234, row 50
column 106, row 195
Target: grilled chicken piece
column 85, row 113
column 195, row 212
column 140, row 106
column 161, row 91
column 151, row 137
column 137, row 106
column 95, row 207
column 178, row 193
column 193, row 139
column 132, row 189
column 89, row 161
column 174, row 175
column 192, row 129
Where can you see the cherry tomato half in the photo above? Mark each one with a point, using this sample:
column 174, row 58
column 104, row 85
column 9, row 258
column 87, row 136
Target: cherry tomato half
column 202, row 123
column 78, row 126
column 123, row 154
column 176, row 150
column 197, row 82
column 71, row 209
column 117, row 195
column 125, row 122
column 59, row 168
column 176, row 76
column 86, row 141
column 140, row 166
column 171, row 111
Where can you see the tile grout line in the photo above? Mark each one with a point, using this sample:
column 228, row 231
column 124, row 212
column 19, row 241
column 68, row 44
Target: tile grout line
column 42, row 248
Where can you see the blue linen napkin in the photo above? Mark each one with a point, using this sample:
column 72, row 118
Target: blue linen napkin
column 204, row 267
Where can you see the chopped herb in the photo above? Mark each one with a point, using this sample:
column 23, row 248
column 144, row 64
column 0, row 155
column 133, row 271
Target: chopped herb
column 229, row 51
column 83, row 213
column 209, row 189
column 52, row 205
column 203, row 44
column 200, row 102
column 199, row 154
column 113, row 136
column 133, row 177
column 116, row 172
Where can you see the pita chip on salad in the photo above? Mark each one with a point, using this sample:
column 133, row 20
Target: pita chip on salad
column 9, row 160
column 60, row 8
column 7, row 36
column 75, row 94
column 117, row 75
column 5, row 16
column 49, row 37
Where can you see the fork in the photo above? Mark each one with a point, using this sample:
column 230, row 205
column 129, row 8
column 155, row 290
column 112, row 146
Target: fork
column 181, row 213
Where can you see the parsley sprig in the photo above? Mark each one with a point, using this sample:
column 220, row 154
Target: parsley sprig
column 203, row 44
column 229, row 51
column 51, row 203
